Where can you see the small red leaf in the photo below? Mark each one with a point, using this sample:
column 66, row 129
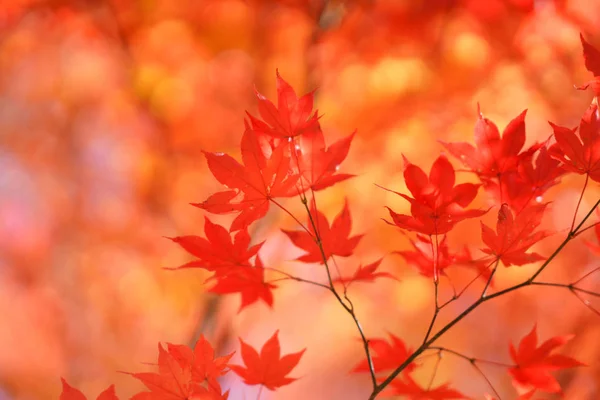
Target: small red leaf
column 386, row 355
column 515, row 235
column 437, row 205
column 367, row 273
column 335, row 239
column 70, row 393
column 267, row 368
column 534, row 363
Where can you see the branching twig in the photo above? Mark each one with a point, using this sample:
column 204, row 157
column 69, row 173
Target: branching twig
column 587, row 227
column 435, row 258
column 587, row 178
column 291, row 215
column 293, row 277
column 473, row 361
column 348, row 306
column 476, row 304
column 435, row 369
column 586, row 275
column 489, row 281
column 571, row 287
column 456, row 296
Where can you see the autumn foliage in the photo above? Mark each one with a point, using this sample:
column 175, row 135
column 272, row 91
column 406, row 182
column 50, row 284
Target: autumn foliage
column 299, row 199
column 284, row 156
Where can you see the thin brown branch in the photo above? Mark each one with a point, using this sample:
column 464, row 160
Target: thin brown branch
column 435, row 369
column 570, row 236
column 349, row 307
column 293, row 277
column 435, row 258
column 473, row 361
column 570, row 287
column 588, row 227
column 585, row 276
column 586, row 303
column 587, row 178
column 456, row 296
column 489, row 281
column 291, row 215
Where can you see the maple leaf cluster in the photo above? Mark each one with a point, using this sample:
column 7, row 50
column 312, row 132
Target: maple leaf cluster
column 192, row 374
column 236, row 265
column 531, row 371
column 284, row 155
column 517, row 178
column 514, row 176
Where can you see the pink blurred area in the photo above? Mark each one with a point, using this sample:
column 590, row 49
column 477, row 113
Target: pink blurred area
column 106, row 106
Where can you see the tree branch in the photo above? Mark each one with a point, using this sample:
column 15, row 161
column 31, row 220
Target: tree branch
column 476, row 304
column 348, row 307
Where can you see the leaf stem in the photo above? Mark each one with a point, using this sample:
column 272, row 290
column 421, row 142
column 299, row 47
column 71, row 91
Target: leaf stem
column 588, row 227
column 435, row 258
column 587, row 178
column 570, row 236
column 291, row 215
column 293, row 277
column 586, row 275
column 571, row 287
column 473, row 361
column 435, row 369
column 464, row 289
column 489, row 281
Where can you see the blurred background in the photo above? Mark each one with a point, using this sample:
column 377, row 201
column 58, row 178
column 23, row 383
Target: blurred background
column 106, row 105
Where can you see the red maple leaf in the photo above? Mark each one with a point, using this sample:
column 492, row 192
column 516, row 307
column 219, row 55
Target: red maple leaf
column 580, row 154
column 70, row 393
column 173, row 381
column 493, row 155
column 335, row 239
column 204, row 365
column 514, row 235
column 218, row 251
column 438, row 205
column 386, row 355
column 264, row 175
column 531, row 180
column 231, row 262
column 591, row 56
column 267, row 368
column 249, row 281
column 534, row 363
column 293, row 116
column 407, row 387
column 367, row 273
column 317, row 164
column 424, row 257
